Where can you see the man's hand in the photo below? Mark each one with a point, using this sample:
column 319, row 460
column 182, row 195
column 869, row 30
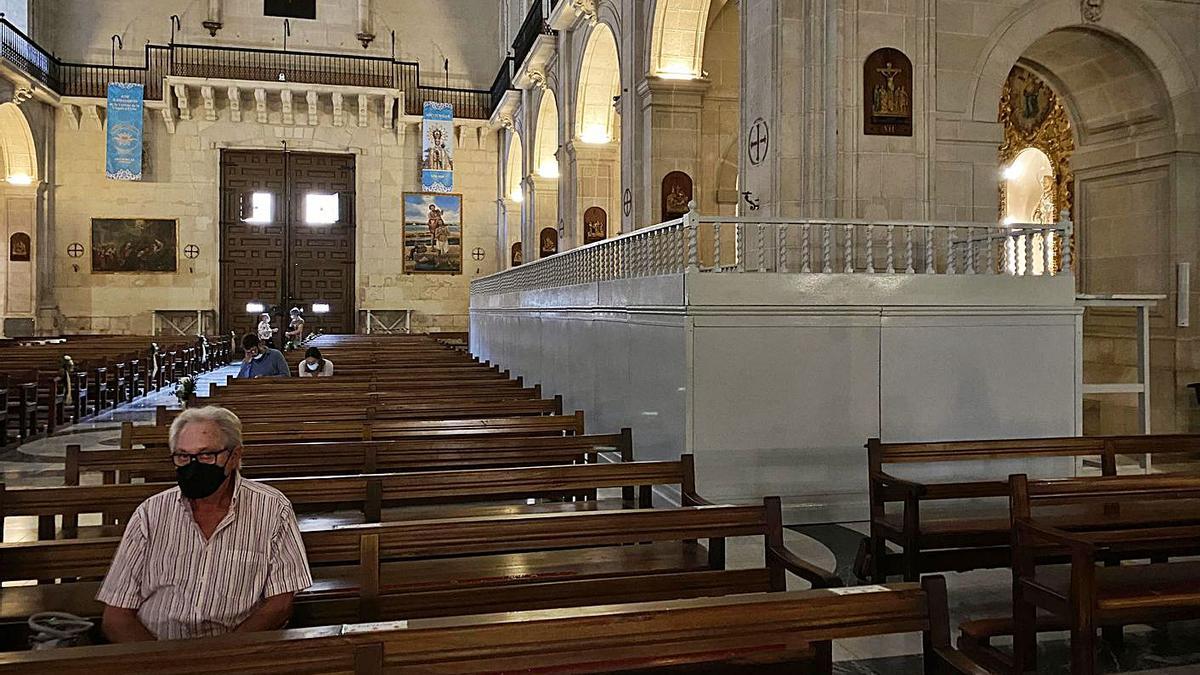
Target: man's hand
column 123, row 625
column 272, row 614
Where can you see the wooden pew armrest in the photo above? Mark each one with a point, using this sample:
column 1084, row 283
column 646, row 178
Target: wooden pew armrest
column 1077, row 546
column 892, row 489
column 819, row 578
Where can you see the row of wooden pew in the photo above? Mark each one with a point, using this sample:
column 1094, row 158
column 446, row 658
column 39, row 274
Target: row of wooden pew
column 456, row 493
column 39, row 391
column 1077, row 546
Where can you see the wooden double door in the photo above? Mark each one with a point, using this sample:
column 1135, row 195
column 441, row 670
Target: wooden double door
column 287, row 240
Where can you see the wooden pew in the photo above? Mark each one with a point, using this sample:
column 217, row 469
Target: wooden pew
column 451, row 566
column 458, row 492
column 315, row 409
column 317, row 458
column 761, row 633
column 933, row 539
column 1151, row 517
column 253, row 433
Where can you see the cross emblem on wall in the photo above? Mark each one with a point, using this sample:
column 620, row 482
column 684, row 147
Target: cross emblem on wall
column 192, row 251
column 75, row 250
column 758, row 141
column 627, row 203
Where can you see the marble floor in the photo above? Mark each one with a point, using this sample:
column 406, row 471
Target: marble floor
column 1161, row 650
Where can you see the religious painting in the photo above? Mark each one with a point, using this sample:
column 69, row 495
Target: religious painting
column 432, row 233
column 676, row 193
column 19, row 247
column 290, row 9
column 887, row 93
column 595, row 225
column 137, row 245
column 548, row 241
column 1032, row 100
column 517, row 257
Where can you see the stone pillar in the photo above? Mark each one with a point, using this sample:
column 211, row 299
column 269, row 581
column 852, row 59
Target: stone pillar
column 671, row 116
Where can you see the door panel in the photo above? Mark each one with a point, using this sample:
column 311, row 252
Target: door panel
column 286, row 262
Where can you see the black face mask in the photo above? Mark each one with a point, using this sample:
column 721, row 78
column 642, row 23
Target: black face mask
column 197, row 481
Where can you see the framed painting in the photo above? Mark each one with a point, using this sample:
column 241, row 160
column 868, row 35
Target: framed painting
column 134, row 245
column 432, row 233
column 517, row 257
column 548, row 241
column 595, row 225
column 887, row 93
column 19, row 247
column 290, row 9
column 676, row 194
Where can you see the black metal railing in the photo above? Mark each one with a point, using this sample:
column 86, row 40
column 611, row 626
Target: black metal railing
column 534, row 25
column 236, row 63
column 502, row 83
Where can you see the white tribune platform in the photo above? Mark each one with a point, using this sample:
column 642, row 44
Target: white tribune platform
column 775, row 380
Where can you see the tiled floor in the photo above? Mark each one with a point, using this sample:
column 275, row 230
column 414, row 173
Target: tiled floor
column 1173, row 650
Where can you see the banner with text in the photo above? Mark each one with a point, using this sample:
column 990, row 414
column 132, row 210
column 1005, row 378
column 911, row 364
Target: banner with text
column 123, row 160
column 437, row 148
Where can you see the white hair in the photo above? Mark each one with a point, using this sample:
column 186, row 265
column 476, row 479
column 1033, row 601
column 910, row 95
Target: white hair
column 228, row 423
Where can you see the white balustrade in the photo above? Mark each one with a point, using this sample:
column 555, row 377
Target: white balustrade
column 676, row 247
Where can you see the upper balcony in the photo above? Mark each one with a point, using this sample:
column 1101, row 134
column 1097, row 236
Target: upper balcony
column 22, row 57
column 505, row 98
column 534, row 47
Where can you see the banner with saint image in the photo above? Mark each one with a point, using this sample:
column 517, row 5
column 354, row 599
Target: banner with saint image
column 437, row 147
column 123, row 158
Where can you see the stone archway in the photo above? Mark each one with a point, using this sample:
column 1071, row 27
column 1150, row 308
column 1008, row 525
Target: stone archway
column 545, row 172
column 1127, row 178
column 597, row 142
column 18, row 215
column 514, row 193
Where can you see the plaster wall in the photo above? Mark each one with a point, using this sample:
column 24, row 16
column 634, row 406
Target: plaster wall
column 463, row 31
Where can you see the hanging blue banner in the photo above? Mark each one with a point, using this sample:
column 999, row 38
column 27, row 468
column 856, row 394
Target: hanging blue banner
column 437, row 148
column 123, row 160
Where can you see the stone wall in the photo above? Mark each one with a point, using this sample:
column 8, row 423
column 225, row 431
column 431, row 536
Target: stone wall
column 182, row 179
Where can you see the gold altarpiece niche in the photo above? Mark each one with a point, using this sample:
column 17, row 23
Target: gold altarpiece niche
column 1036, row 184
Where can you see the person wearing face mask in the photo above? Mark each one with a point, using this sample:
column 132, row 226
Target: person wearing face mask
column 261, row 360
column 218, row 554
column 314, row 365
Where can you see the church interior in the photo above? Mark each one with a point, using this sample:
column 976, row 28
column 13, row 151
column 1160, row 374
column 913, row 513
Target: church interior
column 591, row 336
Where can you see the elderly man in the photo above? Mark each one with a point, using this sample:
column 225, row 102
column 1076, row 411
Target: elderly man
column 217, row 554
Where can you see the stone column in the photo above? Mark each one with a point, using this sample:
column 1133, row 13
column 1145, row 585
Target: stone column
column 671, row 116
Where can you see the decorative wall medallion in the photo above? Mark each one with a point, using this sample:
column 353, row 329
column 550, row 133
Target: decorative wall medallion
column 548, row 241
column 627, row 203
column 1031, row 100
column 758, row 141
column 191, row 251
column 676, row 193
column 887, row 93
column 595, row 225
column 19, row 247
column 75, row 250
column 1092, row 10
column 478, row 254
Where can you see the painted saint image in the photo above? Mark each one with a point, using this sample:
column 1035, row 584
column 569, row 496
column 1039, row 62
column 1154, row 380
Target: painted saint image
column 432, row 233
column 437, row 157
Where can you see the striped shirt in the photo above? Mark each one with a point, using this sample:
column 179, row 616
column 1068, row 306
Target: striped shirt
column 184, row 586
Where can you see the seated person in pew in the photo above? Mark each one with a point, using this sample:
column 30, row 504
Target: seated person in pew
column 261, row 360
column 215, row 555
column 315, row 365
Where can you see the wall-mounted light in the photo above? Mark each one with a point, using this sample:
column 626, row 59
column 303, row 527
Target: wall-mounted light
column 1011, row 172
column 517, row 195
column 20, row 179
column 548, row 169
column 255, row 308
column 320, row 308
column 676, row 71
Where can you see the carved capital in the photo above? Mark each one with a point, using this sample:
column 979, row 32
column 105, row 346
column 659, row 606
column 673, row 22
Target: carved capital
column 366, row 39
column 1091, row 10
column 212, row 27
